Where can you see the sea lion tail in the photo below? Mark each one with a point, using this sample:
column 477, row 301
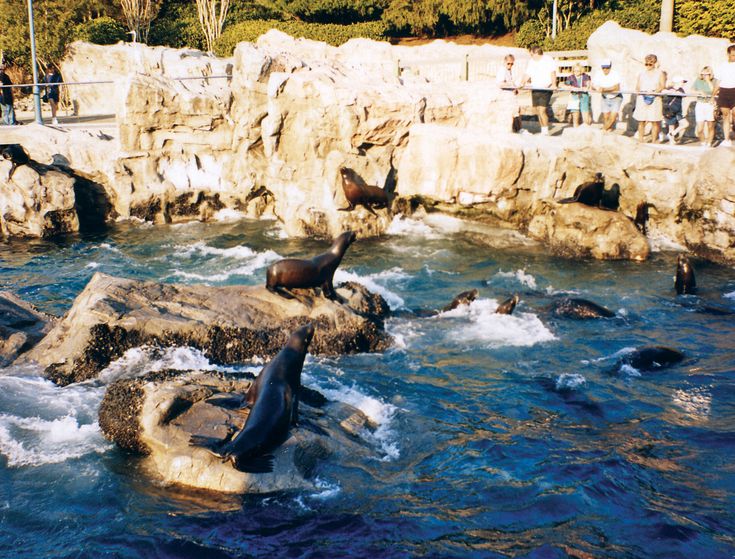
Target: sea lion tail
column 567, row 200
column 255, row 464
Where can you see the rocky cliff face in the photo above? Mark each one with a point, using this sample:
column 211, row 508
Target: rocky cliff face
column 271, row 140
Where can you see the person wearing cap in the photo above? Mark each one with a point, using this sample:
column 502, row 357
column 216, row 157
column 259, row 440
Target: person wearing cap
column 704, row 110
column 674, row 123
column 607, row 82
column 649, row 108
column 6, row 98
column 725, row 93
column 541, row 75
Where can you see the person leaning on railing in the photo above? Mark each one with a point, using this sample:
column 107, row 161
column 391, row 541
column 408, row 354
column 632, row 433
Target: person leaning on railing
column 579, row 102
column 704, row 110
column 607, row 82
column 6, row 99
column 507, row 78
column 725, row 93
column 541, row 75
column 649, row 108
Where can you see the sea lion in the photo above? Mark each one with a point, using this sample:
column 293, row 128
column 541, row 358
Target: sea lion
column 652, row 358
column 610, row 199
column 588, row 193
column 16, row 155
column 464, row 298
column 569, row 307
column 274, row 399
column 684, row 281
column 359, row 193
column 641, row 217
column 507, row 306
column 293, row 273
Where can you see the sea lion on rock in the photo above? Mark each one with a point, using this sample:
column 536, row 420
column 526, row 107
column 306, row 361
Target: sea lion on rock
column 16, row 155
column 641, row 217
column 684, row 281
column 507, row 306
column 359, row 193
column 588, row 193
column 580, row 309
column 652, row 358
column 610, row 199
column 293, row 273
column 274, row 399
column 464, row 298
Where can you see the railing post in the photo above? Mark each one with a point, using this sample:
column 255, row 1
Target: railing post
column 466, row 67
column 398, row 68
column 36, row 89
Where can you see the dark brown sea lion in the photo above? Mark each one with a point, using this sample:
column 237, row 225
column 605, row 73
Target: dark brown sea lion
column 359, row 193
column 16, row 155
column 464, row 298
column 274, row 399
column 652, row 358
column 684, row 281
column 580, row 309
column 641, row 217
column 293, row 273
column 610, row 199
column 588, row 193
column 507, row 306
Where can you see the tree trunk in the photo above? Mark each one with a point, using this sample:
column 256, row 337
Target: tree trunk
column 667, row 15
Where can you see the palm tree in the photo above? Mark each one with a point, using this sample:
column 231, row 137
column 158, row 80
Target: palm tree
column 667, row 15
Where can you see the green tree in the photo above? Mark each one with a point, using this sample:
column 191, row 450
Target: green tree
column 712, row 18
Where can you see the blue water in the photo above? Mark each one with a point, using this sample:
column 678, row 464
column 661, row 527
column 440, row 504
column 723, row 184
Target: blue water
column 499, row 436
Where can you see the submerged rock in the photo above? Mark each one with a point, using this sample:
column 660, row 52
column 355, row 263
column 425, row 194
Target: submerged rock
column 229, row 324
column 21, row 327
column 157, row 414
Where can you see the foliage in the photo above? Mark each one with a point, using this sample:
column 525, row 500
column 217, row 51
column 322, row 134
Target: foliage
column 532, row 32
column 212, row 14
column 336, row 11
column 139, row 14
column 327, row 32
column 101, row 31
column 712, row 18
column 177, row 26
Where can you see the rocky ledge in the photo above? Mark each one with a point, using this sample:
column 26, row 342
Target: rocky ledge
column 228, row 324
column 21, row 327
column 157, row 414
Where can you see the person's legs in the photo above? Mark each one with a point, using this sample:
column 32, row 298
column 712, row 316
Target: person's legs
column 726, row 124
column 54, row 106
column 655, row 130
column 641, row 130
column 4, row 113
column 587, row 117
column 709, row 132
column 575, row 118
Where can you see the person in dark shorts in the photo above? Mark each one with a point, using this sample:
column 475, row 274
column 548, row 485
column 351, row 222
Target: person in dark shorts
column 52, row 91
column 725, row 93
column 541, row 76
column 6, row 99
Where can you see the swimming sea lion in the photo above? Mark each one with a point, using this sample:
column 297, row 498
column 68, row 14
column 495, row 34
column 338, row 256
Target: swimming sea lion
column 610, row 199
column 464, row 298
column 580, row 309
column 16, row 155
column 652, row 358
column 316, row 272
column 359, row 193
column 507, row 306
column 274, row 399
column 684, row 281
column 588, row 193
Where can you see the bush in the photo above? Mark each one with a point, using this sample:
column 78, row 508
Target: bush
column 712, row 18
column 101, row 31
column 532, row 32
column 327, row 32
column 337, row 11
column 177, row 26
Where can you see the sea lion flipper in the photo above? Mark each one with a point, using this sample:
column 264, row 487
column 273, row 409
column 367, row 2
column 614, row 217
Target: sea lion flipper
column 212, row 444
column 567, row 200
column 228, row 401
column 255, row 464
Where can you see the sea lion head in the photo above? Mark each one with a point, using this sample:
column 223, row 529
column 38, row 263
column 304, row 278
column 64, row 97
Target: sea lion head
column 346, row 238
column 301, row 338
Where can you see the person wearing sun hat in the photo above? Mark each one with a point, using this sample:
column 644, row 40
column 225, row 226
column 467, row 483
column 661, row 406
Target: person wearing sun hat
column 607, row 82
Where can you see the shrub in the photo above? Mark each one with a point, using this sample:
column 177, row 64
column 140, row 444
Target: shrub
column 327, row 32
column 337, row 11
column 101, row 31
column 712, row 18
column 177, row 25
column 532, row 32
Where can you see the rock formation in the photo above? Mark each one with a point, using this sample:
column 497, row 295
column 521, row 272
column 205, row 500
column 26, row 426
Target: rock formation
column 228, row 324
column 156, row 415
column 21, row 327
column 270, row 141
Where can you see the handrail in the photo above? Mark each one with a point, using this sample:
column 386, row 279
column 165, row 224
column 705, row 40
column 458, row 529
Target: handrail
column 105, row 82
column 620, row 92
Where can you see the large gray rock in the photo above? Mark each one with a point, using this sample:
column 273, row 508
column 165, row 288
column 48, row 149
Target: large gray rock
column 21, row 326
column 228, row 324
column 158, row 413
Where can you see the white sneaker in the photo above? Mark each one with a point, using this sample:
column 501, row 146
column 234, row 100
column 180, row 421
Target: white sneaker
column 54, row 121
column 726, row 144
column 545, row 130
column 672, row 140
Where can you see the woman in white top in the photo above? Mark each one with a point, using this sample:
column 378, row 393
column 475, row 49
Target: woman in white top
column 649, row 108
column 704, row 110
column 725, row 92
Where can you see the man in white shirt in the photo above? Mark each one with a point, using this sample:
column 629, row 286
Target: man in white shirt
column 507, row 79
column 607, row 82
column 725, row 93
column 541, row 75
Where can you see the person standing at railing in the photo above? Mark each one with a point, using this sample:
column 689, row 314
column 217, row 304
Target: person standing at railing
column 52, row 91
column 674, row 123
column 725, row 93
column 704, row 110
column 607, row 82
column 6, row 99
column 649, row 108
column 541, row 76
column 579, row 103
column 507, row 79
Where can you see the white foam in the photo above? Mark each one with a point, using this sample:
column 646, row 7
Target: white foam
column 93, row 265
column 570, row 381
column 497, row 330
column 228, row 214
column 521, row 276
column 620, row 353
column 629, row 370
column 325, row 489
column 257, row 261
column 374, row 283
column 410, row 227
column 730, row 295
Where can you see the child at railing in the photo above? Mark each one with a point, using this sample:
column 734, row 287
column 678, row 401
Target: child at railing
column 674, row 123
column 579, row 102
